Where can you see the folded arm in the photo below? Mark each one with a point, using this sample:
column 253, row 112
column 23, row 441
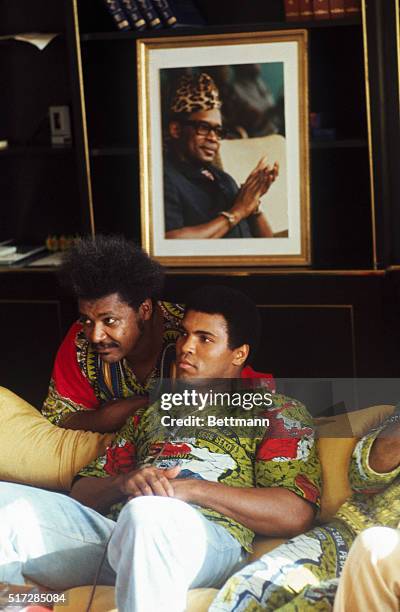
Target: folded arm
column 273, row 511
column 385, row 452
column 110, row 417
column 376, row 457
column 101, row 493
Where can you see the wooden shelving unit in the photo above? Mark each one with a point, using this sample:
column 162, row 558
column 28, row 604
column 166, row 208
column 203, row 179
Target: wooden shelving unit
column 344, row 302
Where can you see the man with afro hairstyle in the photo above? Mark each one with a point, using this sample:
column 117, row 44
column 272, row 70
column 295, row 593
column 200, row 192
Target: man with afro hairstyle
column 123, row 343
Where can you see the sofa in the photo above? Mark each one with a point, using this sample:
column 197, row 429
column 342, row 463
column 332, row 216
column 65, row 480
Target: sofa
column 33, row 451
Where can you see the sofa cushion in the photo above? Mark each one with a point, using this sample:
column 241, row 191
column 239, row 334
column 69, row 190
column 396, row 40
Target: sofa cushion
column 263, row 545
column 41, row 454
column 35, row 452
column 199, row 600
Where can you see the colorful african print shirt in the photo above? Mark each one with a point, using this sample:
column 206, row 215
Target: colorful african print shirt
column 81, row 380
column 377, row 496
column 280, row 453
column 302, row 574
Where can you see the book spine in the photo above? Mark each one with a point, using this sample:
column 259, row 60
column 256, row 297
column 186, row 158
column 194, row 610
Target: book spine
column 352, row 7
column 321, row 9
column 118, row 14
column 292, row 10
column 164, row 11
column 134, row 15
column 336, row 8
column 149, row 13
column 306, row 10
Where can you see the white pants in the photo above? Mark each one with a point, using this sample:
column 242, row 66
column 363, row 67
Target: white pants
column 371, row 575
column 159, row 547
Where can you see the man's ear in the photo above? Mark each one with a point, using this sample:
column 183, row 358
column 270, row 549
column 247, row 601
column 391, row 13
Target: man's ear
column 146, row 309
column 240, row 354
column 175, row 129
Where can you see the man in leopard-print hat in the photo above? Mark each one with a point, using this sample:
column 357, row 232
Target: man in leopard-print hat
column 202, row 201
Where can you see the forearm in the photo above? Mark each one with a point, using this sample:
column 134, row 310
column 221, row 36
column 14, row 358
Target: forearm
column 98, row 493
column 385, row 451
column 109, row 418
column 101, row 493
column 216, row 228
column 268, row 511
column 259, row 226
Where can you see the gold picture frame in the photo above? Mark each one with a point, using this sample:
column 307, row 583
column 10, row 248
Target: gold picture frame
column 281, row 54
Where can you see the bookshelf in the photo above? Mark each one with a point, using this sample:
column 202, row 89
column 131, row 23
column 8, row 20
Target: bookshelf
column 350, row 289
column 91, row 67
column 338, row 85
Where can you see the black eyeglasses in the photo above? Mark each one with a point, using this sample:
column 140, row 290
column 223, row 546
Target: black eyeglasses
column 203, row 128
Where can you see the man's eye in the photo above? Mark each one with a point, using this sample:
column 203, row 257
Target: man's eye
column 205, row 339
column 182, row 333
column 85, row 321
column 110, row 321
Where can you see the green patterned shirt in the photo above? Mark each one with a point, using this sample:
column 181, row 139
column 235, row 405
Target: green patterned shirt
column 275, row 449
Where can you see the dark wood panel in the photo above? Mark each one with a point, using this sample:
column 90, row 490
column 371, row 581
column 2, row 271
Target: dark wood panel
column 28, row 16
column 31, row 334
column 310, row 341
column 313, row 325
column 322, row 325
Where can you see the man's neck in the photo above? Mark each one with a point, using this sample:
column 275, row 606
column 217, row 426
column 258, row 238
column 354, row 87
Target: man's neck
column 189, row 161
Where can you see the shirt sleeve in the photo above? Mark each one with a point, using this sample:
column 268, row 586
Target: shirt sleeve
column 363, row 479
column 120, row 456
column 287, row 456
column 172, row 205
column 69, row 390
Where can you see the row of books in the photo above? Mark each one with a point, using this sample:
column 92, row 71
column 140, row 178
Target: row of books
column 298, row 10
column 144, row 14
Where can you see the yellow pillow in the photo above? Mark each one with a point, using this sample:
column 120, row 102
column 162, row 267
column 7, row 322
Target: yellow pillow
column 35, row 452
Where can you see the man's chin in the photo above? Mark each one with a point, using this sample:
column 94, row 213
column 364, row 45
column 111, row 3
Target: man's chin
column 110, row 356
column 209, row 159
column 186, row 375
column 204, row 157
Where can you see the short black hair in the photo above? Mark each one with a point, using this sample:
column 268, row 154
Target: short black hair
column 239, row 311
column 96, row 267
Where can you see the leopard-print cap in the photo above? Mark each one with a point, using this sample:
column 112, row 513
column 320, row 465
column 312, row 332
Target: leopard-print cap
column 196, row 93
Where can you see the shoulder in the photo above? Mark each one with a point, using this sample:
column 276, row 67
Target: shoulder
column 72, row 342
column 171, row 168
column 288, row 415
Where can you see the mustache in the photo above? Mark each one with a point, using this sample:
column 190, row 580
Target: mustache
column 104, row 345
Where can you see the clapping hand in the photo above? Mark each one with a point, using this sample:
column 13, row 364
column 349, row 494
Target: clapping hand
column 255, row 186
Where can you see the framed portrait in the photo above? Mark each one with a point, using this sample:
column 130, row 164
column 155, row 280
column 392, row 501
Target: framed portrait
column 224, row 152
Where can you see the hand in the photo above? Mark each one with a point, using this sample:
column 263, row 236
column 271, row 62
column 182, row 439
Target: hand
column 149, row 480
column 256, row 185
column 270, row 174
